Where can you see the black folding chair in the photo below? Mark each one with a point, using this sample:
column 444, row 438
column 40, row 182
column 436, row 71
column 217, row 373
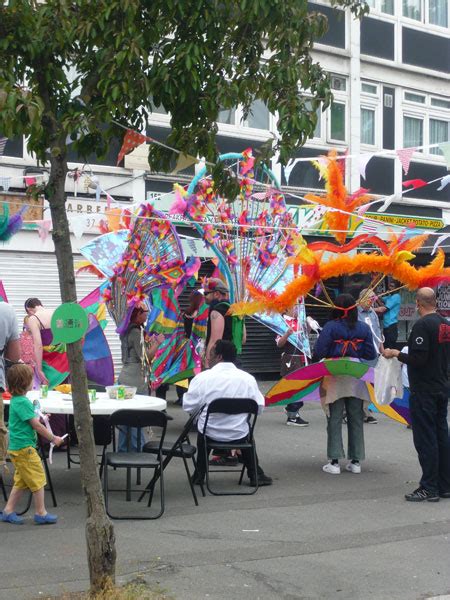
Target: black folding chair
column 232, row 406
column 136, row 460
column 180, row 448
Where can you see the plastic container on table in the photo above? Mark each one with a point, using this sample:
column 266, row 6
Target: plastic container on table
column 121, row 392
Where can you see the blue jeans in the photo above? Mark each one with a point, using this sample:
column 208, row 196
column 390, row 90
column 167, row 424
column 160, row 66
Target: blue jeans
column 123, row 439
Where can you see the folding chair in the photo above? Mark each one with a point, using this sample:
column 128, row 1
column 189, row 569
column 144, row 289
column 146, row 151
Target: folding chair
column 180, row 448
column 136, row 460
column 232, row 406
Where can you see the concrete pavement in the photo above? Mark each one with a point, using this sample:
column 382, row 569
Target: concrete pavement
column 311, row 535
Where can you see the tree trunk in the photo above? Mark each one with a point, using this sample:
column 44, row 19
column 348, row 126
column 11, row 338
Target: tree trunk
column 99, row 529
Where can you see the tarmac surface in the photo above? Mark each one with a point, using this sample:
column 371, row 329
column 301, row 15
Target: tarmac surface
column 311, row 535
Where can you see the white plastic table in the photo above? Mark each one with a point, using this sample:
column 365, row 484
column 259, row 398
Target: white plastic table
column 61, row 404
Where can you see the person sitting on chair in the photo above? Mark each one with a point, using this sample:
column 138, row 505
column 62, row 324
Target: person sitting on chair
column 223, row 380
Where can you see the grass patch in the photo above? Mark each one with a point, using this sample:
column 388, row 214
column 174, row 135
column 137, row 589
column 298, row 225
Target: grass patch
column 130, row 591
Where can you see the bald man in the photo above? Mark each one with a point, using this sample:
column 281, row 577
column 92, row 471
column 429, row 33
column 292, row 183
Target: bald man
column 427, row 360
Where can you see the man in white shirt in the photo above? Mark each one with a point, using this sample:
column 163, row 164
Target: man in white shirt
column 223, row 380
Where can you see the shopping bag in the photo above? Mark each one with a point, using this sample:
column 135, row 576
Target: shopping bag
column 388, row 380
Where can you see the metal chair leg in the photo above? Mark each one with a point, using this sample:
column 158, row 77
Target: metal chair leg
column 49, row 477
column 191, row 485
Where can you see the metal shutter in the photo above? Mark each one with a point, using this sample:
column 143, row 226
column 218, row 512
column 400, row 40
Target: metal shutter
column 35, row 274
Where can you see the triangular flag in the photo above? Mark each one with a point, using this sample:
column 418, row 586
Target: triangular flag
column 5, row 183
column 29, row 181
column 130, row 141
column 363, row 160
column 184, row 161
column 78, row 223
column 3, row 141
column 44, row 228
column 289, row 168
column 439, row 241
column 445, row 181
column 386, row 203
column 445, row 149
column 3, row 296
column 415, row 184
column 108, row 201
column 405, row 155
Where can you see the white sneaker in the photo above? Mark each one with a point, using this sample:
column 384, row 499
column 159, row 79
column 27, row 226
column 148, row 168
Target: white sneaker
column 332, row 469
column 353, row 467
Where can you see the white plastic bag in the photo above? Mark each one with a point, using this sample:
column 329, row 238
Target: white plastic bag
column 388, row 380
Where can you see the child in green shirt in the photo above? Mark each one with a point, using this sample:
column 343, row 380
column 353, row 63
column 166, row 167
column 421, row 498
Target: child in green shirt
column 24, row 426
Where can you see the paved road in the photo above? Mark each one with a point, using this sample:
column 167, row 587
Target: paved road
column 309, row 536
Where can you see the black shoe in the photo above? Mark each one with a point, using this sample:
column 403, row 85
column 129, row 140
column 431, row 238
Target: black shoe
column 371, row 420
column 297, row 422
column 262, row 480
column 444, row 494
column 224, row 461
column 420, row 495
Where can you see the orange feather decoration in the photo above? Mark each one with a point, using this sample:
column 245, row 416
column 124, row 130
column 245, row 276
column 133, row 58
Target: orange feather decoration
column 337, row 196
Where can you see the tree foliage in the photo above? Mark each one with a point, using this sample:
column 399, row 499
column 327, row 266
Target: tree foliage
column 68, row 67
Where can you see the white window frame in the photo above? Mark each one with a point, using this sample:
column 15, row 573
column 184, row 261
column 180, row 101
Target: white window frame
column 378, row 9
column 425, row 112
column 330, row 140
column 425, row 17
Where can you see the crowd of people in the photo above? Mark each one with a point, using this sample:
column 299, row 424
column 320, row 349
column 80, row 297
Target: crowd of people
column 353, row 331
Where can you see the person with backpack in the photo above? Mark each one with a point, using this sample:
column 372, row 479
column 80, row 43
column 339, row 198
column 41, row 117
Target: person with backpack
column 344, row 336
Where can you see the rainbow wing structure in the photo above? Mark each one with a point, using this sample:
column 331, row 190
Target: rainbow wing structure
column 93, row 304
column 105, row 251
column 165, row 314
column 179, row 358
column 153, row 258
column 304, row 384
column 97, row 354
column 250, row 234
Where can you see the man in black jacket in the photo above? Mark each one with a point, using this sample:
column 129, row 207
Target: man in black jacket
column 427, row 360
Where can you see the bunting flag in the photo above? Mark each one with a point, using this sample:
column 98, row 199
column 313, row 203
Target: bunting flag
column 414, row 184
column 386, row 204
column 131, row 140
column 363, row 160
column 183, row 162
column 3, row 141
column 289, row 168
column 30, row 181
column 405, row 155
column 5, row 182
column 445, row 149
column 439, row 241
column 44, row 227
column 445, row 181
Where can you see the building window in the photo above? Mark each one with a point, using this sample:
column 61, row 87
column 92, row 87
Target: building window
column 384, row 6
column 338, row 83
column 412, row 9
column 227, row 116
column 258, row 116
column 434, row 12
column 417, row 98
column 369, row 88
column 440, row 103
column 438, row 12
column 439, row 132
column 337, row 121
column 412, row 132
column 368, row 126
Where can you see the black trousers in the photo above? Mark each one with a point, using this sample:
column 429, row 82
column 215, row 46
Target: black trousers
column 430, row 435
column 390, row 336
column 246, row 454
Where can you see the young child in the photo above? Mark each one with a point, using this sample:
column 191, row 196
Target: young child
column 23, row 428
